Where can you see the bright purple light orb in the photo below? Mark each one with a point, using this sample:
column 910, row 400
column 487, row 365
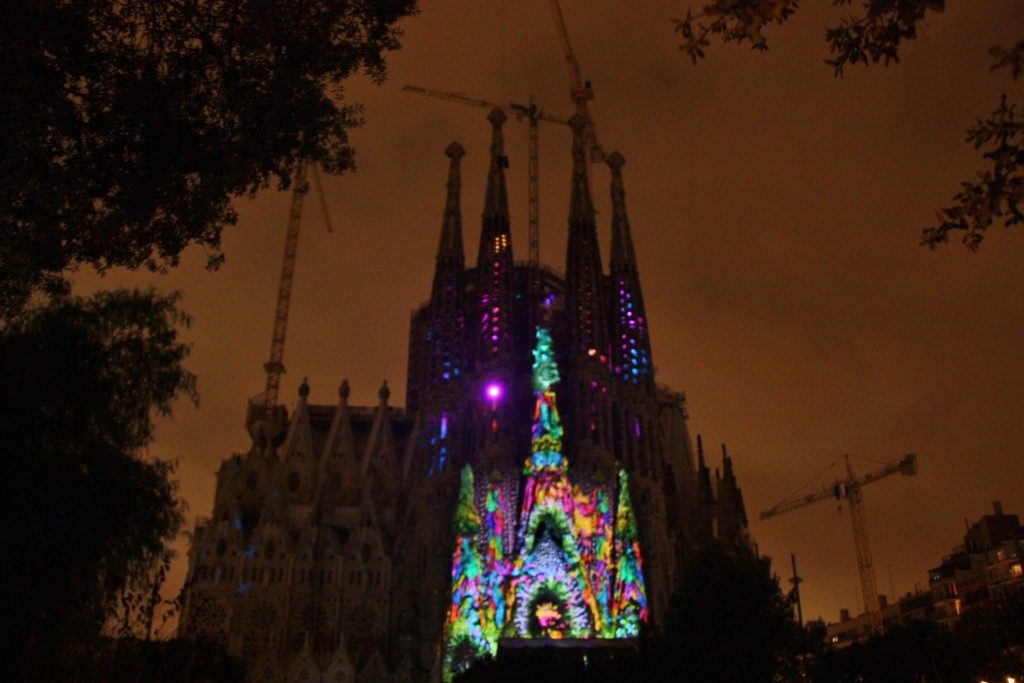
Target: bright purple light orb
column 493, row 390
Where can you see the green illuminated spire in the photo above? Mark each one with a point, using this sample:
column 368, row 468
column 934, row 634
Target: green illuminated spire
column 545, row 370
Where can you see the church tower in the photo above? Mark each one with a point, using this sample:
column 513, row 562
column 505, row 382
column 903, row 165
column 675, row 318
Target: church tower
column 494, row 261
column 446, row 339
column 586, row 308
column 631, row 346
column 495, row 384
column 539, row 485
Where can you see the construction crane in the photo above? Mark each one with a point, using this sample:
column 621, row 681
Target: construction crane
column 533, row 115
column 850, row 489
column 261, row 406
column 581, row 91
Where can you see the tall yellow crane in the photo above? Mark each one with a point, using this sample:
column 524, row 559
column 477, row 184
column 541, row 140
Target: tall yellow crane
column 850, row 489
column 533, row 115
column 262, row 406
column 581, row 91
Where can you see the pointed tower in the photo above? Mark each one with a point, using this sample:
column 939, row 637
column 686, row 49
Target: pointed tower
column 631, row 346
column 585, row 301
column 299, row 451
column 588, row 402
column 340, row 463
column 446, row 338
column 381, row 469
column 730, row 512
column 494, row 262
column 704, row 524
column 468, row 635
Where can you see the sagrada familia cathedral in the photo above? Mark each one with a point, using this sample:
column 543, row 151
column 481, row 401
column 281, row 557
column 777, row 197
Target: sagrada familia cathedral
column 538, row 486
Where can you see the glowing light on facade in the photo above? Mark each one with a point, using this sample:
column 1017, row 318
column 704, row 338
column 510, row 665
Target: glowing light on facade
column 575, row 570
column 632, row 358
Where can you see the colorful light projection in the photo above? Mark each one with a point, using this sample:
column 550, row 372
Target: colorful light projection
column 576, row 570
column 631, row 358
column 630, row 593
column 495, row 534
column 546, row 442
column 549, row 569
column 438, row 443
column 467, row 634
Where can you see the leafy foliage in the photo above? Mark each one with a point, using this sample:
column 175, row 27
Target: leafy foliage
column 736, row 21
column 87, row 513
column 874, row 35
column 130, row 125
column 998, row 192
column 869, row 37
column 140, row 610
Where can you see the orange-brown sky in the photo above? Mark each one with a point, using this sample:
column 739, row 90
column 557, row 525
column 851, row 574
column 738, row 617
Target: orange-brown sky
column 776, row 212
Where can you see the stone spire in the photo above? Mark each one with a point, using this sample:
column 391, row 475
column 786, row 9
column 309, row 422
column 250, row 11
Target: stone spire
column 584, row 277
column 581, row 206
column 496, row 202
column 445, row 345
column 623, row 257
column 494, row 263
column 339, row 454
column 495, row 238
column 704, row 528
column 589, row 426
column 631, row 346
column 730, row 511
column 381, row 471
column 450, row 249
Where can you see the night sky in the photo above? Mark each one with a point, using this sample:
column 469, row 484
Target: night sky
column 776, row 212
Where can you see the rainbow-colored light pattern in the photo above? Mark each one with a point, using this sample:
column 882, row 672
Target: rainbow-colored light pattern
column 576, row 570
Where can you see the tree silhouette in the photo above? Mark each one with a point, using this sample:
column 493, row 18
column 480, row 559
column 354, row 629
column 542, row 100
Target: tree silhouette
column 874, row 33
column 129, row 126
column 85, row 511
column 732, row 621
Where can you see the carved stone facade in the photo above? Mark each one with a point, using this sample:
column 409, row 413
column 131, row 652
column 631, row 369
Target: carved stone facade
column 328, row 556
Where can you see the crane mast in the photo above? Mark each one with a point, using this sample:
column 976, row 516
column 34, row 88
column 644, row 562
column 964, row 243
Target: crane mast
column 865, row 563
column 851, row 489
column 581, row 91
column 262, row 406
column 275, row 366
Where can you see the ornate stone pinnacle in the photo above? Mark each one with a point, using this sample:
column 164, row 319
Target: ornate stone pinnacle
column 455, row 151
column 615, row 161
column 497, row 117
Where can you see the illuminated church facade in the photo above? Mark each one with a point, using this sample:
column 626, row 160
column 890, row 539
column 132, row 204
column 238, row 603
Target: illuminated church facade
column 538, row 484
